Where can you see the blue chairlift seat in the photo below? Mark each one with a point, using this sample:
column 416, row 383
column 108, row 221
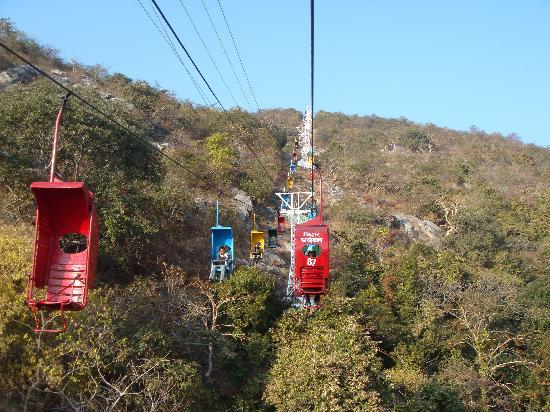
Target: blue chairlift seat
column 312, row 213
column 221, row 236
column 286, row 198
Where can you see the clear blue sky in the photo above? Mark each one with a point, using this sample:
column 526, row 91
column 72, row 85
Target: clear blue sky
column 452, row 63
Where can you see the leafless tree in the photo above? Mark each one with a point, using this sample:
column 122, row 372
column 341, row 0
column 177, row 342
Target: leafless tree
column 451, row 207
column 208, row 309
column 480, row 308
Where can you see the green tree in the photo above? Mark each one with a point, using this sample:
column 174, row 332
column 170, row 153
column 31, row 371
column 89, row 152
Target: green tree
column 416, row 140
column 221, row 155
column 121, row 169
column 330, row 364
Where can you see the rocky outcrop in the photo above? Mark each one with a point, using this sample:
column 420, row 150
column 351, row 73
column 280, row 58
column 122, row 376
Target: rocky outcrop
column 244, row 203
column 17, row 74
column 417, row 229
column 335, row 192
column 60, row 76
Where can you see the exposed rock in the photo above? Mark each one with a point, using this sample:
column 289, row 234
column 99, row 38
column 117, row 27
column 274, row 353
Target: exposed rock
column 390, row 147
column 272, row 259
column 60, row 76
column 17, row 74
column 160, row 146
column 283, row 245
column 262, row 266
column 122, row 102
column 87, row 81
column 335, row 192
column 417, row 229
column 242, row 262
column 106, row 95
column 243, row 204
column 201, row 202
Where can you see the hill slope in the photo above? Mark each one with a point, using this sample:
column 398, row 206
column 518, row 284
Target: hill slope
column 439, row 295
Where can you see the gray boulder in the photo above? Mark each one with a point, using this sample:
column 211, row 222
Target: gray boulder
column 60, row 76
column 17, row 74
column 417, row 229
column 244, row 203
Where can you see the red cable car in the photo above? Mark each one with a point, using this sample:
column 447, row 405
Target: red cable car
column 281, row 223
column 311, row 254
column 65, row 246
column 311, row 268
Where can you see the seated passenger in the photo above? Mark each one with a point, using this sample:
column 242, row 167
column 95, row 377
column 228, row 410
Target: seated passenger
column 222, row 257
column 312, row 301
column 257, row 251
column 227, row 250
column 220, row 267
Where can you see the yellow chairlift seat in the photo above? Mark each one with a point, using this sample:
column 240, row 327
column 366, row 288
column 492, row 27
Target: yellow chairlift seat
column 257, row 243
column 289, row 182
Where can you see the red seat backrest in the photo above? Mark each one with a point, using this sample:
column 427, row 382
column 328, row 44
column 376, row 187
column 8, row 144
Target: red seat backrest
column 64, row 208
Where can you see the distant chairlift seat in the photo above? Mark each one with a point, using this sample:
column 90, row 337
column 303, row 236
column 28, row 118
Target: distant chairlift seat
column 290, row 182
column 65, row 249
column 272, row 238
column 285, row 205
column 281, row 223
column 285, row 202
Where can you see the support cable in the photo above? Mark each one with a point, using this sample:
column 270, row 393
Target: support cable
column 226, row 54
column 312, row 47
column 209, row 54
column 173, row 47
column 122, row 126
column 238, row 55
column 210, row 88
column 168, row 41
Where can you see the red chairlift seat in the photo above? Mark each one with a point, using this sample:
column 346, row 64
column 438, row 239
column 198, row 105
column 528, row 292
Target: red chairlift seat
column 65, row 248
column 311, row 252
column 281, row 223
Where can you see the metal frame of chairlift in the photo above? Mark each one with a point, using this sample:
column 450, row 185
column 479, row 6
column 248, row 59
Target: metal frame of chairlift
column 256, row 236
column 221, row 236
column 63, row 277
column 296, row 208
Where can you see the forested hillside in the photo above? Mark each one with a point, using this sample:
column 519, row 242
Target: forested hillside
column 440, row 290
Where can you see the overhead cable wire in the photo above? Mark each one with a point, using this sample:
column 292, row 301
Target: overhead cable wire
column 312, row 48
column 261, row 115
column 173, row 47
column 188, row 55
column 122, row 126
column 168, row 41
column 238, row 55
column 212, row 91
column 226, row 54
column 209, row 54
